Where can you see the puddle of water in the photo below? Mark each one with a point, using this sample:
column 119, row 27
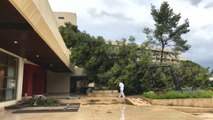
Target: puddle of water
column 122, row 115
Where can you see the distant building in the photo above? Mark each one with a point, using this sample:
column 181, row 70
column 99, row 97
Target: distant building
column 77, row 78
column 168, row 56
column 64, row 17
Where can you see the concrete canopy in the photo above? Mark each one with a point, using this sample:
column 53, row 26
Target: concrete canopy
column 28, row 29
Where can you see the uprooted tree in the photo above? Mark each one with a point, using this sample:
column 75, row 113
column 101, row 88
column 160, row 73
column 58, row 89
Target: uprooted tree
column 107, row 64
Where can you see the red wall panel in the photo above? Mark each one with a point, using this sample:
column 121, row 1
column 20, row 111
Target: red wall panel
column 34, row 80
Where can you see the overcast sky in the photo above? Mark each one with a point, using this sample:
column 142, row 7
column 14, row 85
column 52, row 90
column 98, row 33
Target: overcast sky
column 116, row 19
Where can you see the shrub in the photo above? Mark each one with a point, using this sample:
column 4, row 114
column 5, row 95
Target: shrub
column 179, row 94
column 192, row 75
column 43, row 102
column 150, row 94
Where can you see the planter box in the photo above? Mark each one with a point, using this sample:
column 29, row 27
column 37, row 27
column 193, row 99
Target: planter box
column 196, row 102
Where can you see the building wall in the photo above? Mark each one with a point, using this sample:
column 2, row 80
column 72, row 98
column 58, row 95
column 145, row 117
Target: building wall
column 30, row 87
column 39, row 15
column 63, row 17
column 58, row 82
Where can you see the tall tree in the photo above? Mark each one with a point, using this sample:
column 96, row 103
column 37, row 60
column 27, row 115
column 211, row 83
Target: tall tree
column 70, row 34
column 131, row 66
column 168, row 32
column 88, row 52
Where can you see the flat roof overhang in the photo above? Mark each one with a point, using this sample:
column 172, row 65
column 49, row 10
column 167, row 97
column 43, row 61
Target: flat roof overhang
column 28, row 29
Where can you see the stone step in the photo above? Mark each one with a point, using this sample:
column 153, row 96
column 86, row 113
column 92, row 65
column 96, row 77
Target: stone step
column 105, row 100
column 97, row 100
column 103, row 93
column 138, row 102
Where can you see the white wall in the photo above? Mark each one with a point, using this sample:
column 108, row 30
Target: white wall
column 58, row 82
column 20, row 79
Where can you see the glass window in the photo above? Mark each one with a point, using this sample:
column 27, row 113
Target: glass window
column 8, row 77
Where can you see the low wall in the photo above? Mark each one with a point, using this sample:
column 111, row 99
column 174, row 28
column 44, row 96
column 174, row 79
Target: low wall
column 197, row 102
column 103, row 93
column 96, row 100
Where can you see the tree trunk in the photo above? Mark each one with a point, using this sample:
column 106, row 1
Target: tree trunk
column 162, row 51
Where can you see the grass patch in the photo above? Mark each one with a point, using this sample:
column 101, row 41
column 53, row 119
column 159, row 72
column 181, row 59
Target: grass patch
column 179, row 94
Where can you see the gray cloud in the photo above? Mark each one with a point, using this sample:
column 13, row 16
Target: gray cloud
column 209, row 5
column 113, row 3
column 201, row 50
column 94, row 13
column 145, row 2
column 207, row 63
column 115, row 30
column 195, row 2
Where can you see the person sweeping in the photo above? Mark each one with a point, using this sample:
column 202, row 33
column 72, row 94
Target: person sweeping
column 121, row 86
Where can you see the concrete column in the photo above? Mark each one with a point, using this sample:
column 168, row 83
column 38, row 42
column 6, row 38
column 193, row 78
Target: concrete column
column 20, row 79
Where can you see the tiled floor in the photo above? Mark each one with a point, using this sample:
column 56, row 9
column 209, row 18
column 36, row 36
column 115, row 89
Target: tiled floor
column 105, row 112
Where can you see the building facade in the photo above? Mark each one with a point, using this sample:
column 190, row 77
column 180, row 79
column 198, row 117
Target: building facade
column 33, row 56
column 168, row 56
column 64, row 17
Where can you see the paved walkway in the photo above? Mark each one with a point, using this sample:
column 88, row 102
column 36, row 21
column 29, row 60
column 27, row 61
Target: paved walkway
column 106, row 112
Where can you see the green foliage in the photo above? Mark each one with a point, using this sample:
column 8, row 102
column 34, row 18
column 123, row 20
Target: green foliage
column 192, row 75
column 43, row 102
column 179, row 94
column 131, row 67
column 150, row 94
column 107, row 64
column 162, row 78
column 87, row 51
column 70, row 34
column 168, row 31
column 189, row 74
